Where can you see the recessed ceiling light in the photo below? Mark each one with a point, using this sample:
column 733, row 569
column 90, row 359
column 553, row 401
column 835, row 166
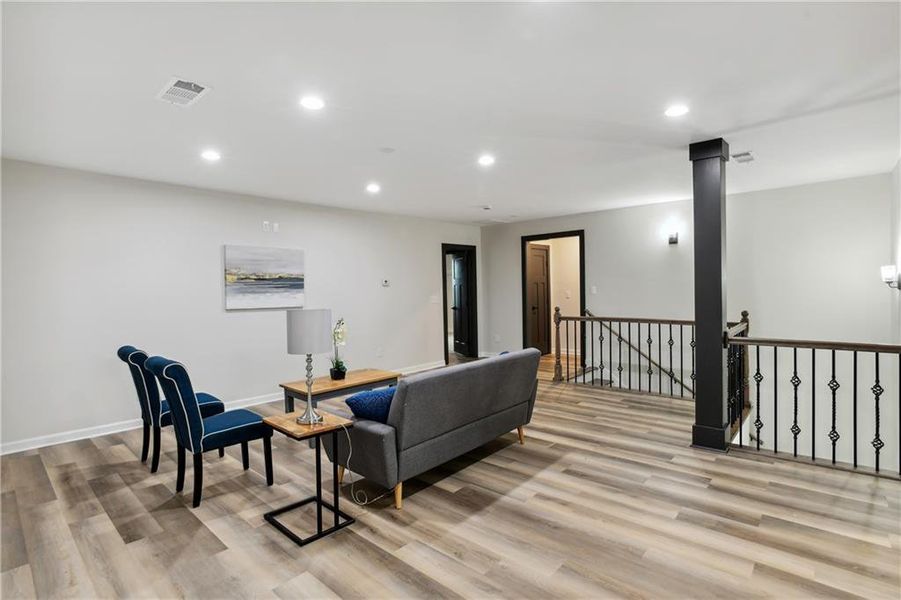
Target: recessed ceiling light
column 210, row 155
column 486, row 160
column 373, row 187
column 312, row 103
column 676, row 110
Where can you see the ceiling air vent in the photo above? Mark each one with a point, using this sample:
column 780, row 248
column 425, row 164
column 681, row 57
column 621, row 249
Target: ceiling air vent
column 181, row 92
column 743, row 157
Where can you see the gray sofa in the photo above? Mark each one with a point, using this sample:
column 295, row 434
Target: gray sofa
column 438, row 415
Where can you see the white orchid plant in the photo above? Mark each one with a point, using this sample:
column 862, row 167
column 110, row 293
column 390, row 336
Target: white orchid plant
column 339, row 338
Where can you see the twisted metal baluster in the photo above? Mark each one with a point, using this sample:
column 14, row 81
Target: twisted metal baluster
column 681, row 361
column 877, row 392
column 650, row 354
column 659, row 360
column 672, row 375
column 833, row 385
column 795, row 381
column 601, row 351
column 693, row 374
column 619, row 368
column 758, row 424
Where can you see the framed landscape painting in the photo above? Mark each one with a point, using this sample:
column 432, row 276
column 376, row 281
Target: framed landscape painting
column 257, row 277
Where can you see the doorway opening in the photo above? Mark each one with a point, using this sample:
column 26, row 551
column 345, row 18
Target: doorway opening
column 460, row 336
column 553, row 274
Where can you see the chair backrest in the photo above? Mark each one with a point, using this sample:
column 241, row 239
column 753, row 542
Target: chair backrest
column 145, row 383
column 186, row 418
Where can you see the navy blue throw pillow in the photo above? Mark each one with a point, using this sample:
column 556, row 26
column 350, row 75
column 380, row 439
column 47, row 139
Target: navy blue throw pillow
column 372, row 405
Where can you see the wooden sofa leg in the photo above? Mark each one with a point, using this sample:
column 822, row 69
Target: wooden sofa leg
column 522, row 435
column 340, row 474
column 399, row 495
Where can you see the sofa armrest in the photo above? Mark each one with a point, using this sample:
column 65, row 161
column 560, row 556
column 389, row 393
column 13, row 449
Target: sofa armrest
column 374, row 453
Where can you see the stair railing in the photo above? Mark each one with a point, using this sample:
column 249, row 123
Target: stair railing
column 859, row 382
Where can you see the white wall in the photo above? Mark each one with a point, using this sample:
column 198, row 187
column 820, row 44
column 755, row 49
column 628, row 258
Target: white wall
column 803, row 260
column 91, row 262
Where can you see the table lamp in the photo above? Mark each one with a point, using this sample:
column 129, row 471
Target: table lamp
column 309, row 332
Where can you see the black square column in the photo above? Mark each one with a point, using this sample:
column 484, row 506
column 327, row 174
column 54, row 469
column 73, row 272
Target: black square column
column 709, row 174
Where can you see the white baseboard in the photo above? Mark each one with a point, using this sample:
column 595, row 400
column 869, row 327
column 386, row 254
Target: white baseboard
column 90, row 432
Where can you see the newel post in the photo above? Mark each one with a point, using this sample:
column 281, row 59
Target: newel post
column 558, row 368
column 711, row 428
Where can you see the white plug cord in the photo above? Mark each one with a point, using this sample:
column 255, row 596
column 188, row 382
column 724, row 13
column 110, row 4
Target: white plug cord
column 359, row 497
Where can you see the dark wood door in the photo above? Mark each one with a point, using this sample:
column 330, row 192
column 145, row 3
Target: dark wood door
column 460, row 304
column 538, row 298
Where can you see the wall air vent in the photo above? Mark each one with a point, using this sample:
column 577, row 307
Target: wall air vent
column 181, row 92
column 743, row 157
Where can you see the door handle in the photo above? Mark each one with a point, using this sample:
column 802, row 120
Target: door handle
column 454, row 308
column 534, row 308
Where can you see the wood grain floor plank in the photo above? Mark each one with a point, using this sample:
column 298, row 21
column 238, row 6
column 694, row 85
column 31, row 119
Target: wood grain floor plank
column 607, row 499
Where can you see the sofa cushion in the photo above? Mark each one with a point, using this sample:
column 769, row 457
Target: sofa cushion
column 372, row 405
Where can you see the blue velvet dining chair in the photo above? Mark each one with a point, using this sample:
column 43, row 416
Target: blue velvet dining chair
column 157, row 414
column 196, row 434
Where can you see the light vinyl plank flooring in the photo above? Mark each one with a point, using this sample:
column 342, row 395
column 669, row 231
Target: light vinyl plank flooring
column 605, row 500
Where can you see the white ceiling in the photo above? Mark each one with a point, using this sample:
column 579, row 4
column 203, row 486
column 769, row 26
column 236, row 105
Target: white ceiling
column 569, row 97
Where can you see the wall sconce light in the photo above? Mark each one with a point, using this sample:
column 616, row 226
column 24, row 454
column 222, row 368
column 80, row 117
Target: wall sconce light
column 889, row 275
column 674, row 237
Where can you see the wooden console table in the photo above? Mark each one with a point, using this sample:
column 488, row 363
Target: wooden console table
column 325, row 387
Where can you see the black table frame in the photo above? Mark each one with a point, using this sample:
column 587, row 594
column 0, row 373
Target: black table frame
column 320, row 503
column 291, row 396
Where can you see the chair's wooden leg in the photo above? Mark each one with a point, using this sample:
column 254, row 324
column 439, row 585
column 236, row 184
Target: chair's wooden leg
column 267, row 457
column 221, row 452
column 245, row 457
column 198, row 478
column 340, row 474
column 522, row 435
column 399, row 495
column 180, row 477
column 145, row 447
column 155, row 461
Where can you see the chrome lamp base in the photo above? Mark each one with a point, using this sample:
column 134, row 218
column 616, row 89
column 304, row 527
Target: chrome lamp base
column 309, row 416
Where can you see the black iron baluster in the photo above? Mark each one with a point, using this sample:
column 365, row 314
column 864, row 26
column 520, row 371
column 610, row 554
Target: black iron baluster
column 639, row 355
column 833, row 385
column 591, row 340
column 854, row 397
column 610, row 348
column 619, row 368
column 650, row 354
column 758, row 424
column 601, row 351
column 877, row 392
column 659, row 361
column 741, row 394
column 730, row 384
column 775, row 399
column 693, row 374
column 583, row 358
column 629, row 333
column 671, row 373
column 795, row 381
column 899, row 415
column 813, row 404
column 681, row 361
column 567, row 351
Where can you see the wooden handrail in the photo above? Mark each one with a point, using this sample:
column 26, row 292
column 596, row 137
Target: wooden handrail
column 816, row 344
column 629, row 320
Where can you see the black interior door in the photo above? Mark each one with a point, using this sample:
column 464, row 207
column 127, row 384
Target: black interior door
column 460, row 304
column 538, row 322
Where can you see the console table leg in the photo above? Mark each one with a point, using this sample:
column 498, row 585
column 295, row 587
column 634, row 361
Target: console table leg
column 335, row 473
column 318, row 487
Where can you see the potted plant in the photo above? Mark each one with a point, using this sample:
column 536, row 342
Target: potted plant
column 339, row 338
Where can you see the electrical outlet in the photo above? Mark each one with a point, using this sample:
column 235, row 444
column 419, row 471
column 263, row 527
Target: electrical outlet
column 594, row 289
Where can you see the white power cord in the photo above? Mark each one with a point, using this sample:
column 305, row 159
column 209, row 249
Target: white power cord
column 359, row 497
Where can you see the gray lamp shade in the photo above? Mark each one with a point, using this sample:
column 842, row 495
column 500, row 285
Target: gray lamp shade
column 309, row 331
